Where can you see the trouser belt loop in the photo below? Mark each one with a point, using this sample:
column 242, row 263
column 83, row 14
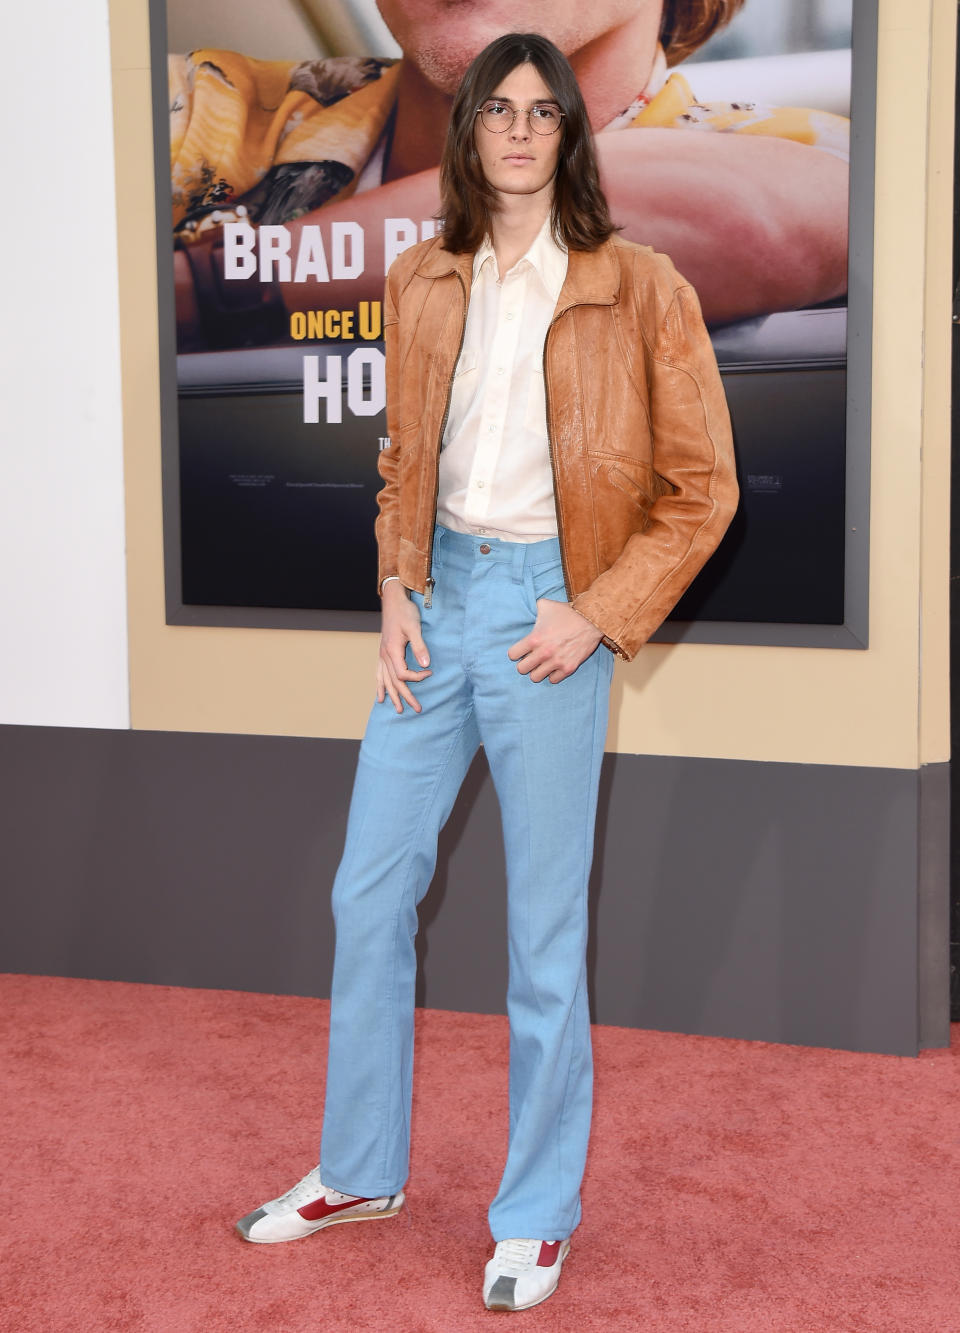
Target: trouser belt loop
column 519, row 559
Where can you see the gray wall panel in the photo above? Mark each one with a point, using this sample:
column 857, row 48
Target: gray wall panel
column 933, row 940
column 778, row 902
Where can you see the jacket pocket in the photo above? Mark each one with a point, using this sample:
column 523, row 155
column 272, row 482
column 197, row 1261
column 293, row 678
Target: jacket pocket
column 407, row 441
column 631, row 486
column 409, row 450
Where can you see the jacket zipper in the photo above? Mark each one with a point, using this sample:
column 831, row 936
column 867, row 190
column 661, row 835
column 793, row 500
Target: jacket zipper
column 553, row 465
column 553, row 468
column 430, row 584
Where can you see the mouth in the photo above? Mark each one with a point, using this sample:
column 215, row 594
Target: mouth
column 517, row 157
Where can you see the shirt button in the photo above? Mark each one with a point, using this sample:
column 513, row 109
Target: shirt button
column 484, row 549
column 480, row 485
column 492, row 430
column 509, row 314
column 500, row 370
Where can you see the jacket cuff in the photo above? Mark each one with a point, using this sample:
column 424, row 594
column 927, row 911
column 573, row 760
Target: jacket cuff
column 581, row 604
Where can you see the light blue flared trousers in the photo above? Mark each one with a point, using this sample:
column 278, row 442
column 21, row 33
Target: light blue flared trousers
column 544, row 745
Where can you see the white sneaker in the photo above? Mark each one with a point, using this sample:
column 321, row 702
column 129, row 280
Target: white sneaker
column 309, row 1207
column 523, row 1273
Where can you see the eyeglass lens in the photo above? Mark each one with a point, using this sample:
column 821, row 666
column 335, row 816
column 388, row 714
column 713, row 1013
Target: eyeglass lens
column 498, row 117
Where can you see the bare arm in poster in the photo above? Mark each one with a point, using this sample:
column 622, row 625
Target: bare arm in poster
column 774, row 211
column 750, row 204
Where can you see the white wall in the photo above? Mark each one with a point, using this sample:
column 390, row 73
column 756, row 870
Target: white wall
column 63, row 632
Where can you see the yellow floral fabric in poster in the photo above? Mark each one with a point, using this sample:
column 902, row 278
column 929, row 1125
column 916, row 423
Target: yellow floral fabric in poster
column 281, row 138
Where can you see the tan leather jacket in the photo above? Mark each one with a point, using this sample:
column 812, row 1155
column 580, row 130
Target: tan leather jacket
column 639, row 431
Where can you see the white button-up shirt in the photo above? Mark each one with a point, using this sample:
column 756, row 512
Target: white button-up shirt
column 495, row 473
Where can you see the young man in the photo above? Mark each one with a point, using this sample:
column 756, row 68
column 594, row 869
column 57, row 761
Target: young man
column 560, row 469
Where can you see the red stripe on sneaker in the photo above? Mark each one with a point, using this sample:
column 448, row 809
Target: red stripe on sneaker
column 548, row 1253
column 312, row 1212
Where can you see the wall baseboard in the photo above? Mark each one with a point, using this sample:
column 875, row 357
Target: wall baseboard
column 775, row 902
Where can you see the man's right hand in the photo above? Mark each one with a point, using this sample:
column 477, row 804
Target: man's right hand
column 400, row 626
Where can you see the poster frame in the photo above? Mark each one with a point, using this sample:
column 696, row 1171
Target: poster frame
column 853, row 633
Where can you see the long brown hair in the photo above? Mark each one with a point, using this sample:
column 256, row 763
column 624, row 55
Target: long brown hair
column 687, row 24
column 581, row 218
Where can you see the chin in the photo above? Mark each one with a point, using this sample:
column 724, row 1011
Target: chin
column 443, row 63
column 448, row 37
column 515, row 187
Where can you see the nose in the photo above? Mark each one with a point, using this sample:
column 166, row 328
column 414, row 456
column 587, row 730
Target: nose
column 520, row 129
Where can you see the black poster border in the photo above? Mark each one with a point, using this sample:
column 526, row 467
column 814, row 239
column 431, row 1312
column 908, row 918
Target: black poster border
column 852, row 634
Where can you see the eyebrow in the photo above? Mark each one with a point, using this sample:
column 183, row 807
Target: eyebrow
column 538, row 101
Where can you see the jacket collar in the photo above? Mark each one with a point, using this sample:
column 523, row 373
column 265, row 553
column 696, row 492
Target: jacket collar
column 593, row 276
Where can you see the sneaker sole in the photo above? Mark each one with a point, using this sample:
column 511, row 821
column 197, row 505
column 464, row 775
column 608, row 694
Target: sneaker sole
column 319, row 1226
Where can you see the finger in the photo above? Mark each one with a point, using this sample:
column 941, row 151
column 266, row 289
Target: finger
column 401, row 693
column 391, row 690
column 406, row 694
column 381, row 681
column 519, row 649
column 405, row 673
column 534, row 660
column 387, row 686
column 388, row 664
column 420, row 650
column 397, row 661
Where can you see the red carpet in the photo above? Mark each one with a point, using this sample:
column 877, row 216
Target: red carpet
column 732, row 1186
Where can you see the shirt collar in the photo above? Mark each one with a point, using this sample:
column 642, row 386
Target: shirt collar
column 546, row 255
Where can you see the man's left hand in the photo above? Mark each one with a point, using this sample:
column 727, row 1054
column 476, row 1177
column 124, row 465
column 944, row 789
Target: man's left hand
column 560, row 640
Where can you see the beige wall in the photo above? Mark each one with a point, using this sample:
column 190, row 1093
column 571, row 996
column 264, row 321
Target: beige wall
column 887, row 706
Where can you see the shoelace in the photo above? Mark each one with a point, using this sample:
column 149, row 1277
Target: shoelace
column 516, row 1256
column 307, row 1188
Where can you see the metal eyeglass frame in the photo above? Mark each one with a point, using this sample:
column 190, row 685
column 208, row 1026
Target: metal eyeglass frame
column 543, row 134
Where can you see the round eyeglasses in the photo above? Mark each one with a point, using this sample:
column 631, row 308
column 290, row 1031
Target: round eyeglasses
column 498, row 117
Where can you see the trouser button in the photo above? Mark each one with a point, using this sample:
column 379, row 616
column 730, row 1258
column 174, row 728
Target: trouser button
column 484, row 549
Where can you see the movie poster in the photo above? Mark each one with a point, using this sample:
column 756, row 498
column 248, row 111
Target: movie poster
column 304, row 138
